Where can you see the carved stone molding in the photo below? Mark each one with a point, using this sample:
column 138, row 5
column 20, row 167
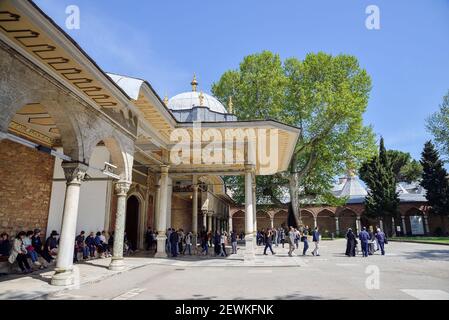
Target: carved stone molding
column 74, row 172
column 122, row 188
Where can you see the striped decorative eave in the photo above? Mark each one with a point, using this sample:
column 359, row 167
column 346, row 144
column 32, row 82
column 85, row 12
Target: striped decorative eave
column 29, row 31
column 288, row 137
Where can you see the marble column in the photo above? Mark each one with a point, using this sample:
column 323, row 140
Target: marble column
column 404, row 230
column 169, row 199
column 381, row 224
column 162, row 214
column 272, row 222
column 209, row 221
column 357, row 225
column 74, row 173
column 195, row 211
column 249, row 255
column 230, row 224
column 337, row 226
column 315, row 222
column 204, row 213
column 121, row 191
column 254, row 207
column 156, row 204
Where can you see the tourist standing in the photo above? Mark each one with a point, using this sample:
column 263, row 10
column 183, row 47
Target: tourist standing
column 188, row 241
column 168, row 243
column 217, row 243
column 174, row 238
column 305, row 240
column 316, row 240
column 148, row 238
column 268, row 242
column 351, row 242
column 204, row 242
column 364, row 238
column 234, row 242
column 282, row 236
column 223, row 244
column 291, row 241
column 381, row 240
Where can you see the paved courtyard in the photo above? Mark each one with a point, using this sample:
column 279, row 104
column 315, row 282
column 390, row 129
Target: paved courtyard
column 408, row 271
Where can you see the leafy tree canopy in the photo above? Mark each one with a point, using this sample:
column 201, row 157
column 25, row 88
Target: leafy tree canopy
column 438, row 125
column 324, row 95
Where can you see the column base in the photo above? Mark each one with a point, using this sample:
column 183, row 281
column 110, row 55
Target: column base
column 117, row 264
column 249, row 255
column 63, row 278
column 160, row 252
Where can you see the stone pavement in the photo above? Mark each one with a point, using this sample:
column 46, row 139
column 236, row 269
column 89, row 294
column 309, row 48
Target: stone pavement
column 37, row 285
column 408, row 271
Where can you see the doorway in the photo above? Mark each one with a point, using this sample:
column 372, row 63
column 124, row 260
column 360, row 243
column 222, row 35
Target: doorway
column 132, row 221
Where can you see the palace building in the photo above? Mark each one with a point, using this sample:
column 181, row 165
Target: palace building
column 82, row 149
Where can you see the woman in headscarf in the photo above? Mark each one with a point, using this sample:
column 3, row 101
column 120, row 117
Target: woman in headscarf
column 351, row 243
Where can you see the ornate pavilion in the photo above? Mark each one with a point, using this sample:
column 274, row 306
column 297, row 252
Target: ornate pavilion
column 81, row 149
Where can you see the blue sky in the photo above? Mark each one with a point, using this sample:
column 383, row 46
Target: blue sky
column 165, row 42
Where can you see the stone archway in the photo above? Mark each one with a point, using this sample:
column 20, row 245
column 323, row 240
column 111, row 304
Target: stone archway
column 281, row 219
column 308, row 219
column 238, row 222
column 263, row 220
column 133, row 206
column 326, row 222
column 347, row 219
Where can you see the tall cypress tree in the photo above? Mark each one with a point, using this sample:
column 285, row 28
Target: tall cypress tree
column 434, row 180
column 382, row 200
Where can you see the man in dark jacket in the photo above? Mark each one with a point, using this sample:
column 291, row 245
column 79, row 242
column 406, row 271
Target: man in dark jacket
column 268, row 242
column 316, row 240
column 364, row 239
column 380, row 236
column 174, row 238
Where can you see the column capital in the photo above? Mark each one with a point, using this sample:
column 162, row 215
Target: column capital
column 250, row 167
column 164, row 169
column 122, row 188
column 74, row 172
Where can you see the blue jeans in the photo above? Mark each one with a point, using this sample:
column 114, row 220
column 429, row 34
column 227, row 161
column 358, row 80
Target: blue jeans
column 365, row 248
column 382, row 247
column 306, row 247
column 268, row 246
column 205, row 248
column 33, row 255
column 188, row 247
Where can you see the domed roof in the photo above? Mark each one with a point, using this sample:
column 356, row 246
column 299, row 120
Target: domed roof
column 188, row 100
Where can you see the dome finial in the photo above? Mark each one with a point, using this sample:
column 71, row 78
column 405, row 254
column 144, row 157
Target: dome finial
column 201, row 97
column 166, row 100
column 230, row 105
column 194, row 83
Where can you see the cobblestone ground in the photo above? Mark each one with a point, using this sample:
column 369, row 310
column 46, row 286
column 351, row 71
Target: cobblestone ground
column 408, row 271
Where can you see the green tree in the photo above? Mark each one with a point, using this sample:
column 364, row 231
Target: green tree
column 438, row 125
column 435, row 180
column 405, row 168
column 324, row 95
column 382, row 200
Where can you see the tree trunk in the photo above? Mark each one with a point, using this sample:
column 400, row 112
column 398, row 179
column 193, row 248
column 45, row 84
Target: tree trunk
column 294, row 197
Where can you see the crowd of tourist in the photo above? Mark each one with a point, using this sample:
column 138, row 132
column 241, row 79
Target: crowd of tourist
column 28, row 250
